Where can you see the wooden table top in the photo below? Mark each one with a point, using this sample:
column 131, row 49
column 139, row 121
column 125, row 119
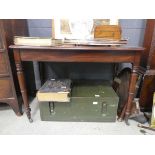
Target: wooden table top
column 73, row 47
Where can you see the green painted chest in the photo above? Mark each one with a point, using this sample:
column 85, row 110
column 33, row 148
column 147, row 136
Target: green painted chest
column 90, row 102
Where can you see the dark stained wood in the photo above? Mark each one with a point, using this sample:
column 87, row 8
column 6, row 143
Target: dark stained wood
column 5, row 88
column 122, row 90
column 13, row 104
column 3, row 64
column 79, row 54
column 82, row 48
column 8, row 92
column 132, row 87
column 14, row 27
column 76, row 56
column 149, row 44
column 22, row 83
column 146, row 96
column 148, row 61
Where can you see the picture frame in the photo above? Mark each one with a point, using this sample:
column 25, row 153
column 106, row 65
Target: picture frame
column 77, row 29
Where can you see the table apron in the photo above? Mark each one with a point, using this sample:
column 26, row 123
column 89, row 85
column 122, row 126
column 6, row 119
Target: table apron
column 78, row 56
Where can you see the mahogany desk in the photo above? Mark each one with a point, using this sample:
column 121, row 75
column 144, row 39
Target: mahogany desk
column 77, row 54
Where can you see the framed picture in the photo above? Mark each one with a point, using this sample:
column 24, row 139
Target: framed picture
column 77, row 29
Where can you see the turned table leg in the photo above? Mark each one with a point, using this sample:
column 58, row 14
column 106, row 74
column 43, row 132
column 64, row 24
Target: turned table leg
column 132, row 88
column 21, row 79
